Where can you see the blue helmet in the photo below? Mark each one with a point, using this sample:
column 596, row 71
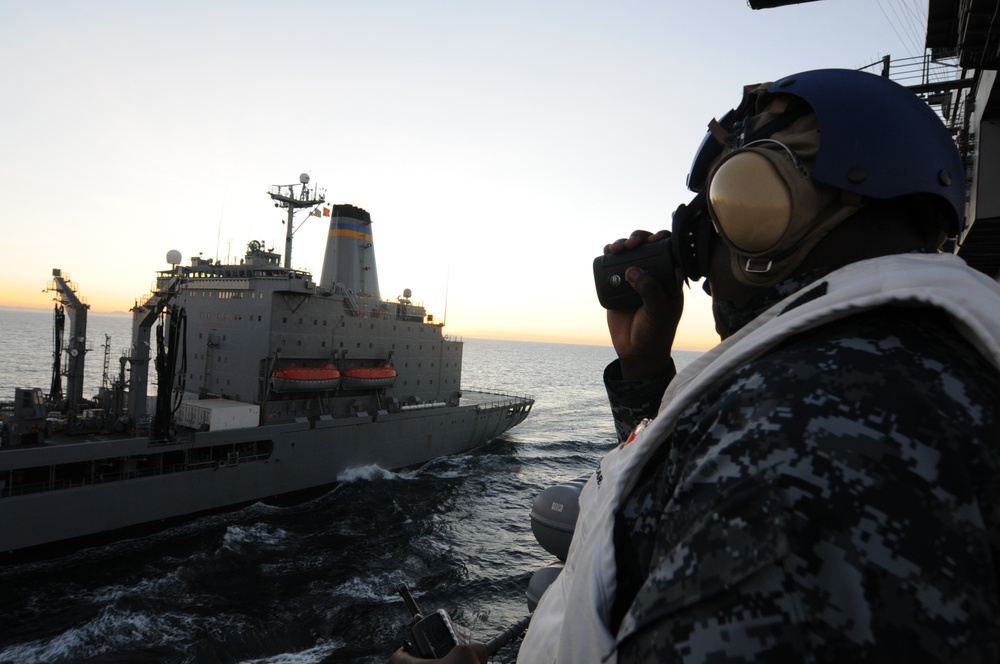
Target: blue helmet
column 877, row 139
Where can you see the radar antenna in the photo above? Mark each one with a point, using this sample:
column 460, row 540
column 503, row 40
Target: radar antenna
column 284, row 196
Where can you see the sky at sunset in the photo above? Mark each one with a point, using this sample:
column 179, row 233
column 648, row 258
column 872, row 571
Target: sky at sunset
column 497, row 145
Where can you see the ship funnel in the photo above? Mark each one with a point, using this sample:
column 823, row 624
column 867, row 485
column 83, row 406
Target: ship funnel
column 350, row 253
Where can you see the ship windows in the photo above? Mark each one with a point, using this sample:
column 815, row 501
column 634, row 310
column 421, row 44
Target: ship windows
column 60, row 476
column 29, row 480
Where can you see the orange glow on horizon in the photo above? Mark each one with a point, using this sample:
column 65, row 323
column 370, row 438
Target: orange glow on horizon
column 25, row 298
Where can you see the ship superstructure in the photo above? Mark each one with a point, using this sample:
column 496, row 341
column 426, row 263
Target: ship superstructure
column 266, row 383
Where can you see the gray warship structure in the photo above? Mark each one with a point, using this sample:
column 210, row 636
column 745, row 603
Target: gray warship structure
column 268, row 383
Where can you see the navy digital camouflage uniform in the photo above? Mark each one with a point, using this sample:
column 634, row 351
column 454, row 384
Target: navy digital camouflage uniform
column 837, row 499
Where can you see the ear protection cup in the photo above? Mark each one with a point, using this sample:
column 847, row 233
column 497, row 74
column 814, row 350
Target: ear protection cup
column 750, row 202
column 768, row 209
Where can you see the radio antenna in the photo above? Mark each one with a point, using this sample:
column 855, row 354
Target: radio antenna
column 447, row 284
column 222, row 213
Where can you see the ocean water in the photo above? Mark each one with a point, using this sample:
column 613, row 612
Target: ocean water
column 315, row 582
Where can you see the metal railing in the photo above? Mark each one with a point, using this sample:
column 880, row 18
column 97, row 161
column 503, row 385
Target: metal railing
column 494, row 399
column 943, row 83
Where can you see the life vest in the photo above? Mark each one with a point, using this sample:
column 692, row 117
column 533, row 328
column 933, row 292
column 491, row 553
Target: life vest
column 570, row 624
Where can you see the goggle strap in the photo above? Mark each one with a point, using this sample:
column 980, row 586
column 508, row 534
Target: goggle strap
column 796, row 111
column 720, row 133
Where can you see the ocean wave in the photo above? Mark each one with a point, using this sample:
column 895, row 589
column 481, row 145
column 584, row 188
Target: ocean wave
column 366, row 473
column 295, row 565
column 162, row 584
column 237, row 537
column 113, row 629
column 378, row 588
column 317, row 653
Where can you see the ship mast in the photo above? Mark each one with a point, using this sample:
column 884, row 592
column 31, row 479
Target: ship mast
column 284, row 196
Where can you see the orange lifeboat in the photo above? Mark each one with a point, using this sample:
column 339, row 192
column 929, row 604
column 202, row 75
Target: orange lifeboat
column 367, row 378
column 300, row 379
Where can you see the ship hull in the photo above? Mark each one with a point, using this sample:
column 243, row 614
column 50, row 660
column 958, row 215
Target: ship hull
column 304, row 456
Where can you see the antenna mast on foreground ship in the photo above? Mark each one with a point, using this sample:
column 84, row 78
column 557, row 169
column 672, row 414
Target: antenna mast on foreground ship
column 305, row 199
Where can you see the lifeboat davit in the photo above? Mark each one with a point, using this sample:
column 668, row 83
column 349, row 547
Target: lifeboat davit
column 368, row 378
column 300, row 379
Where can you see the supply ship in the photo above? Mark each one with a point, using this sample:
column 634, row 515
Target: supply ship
column 268, row 383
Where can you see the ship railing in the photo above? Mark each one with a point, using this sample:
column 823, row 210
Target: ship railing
column 34, row 487
column 941, row 82
column 495, row 399
column 360, row 309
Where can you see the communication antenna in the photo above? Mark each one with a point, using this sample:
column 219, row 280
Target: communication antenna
column 447, row 285
column 218, row 233
column 284, row 196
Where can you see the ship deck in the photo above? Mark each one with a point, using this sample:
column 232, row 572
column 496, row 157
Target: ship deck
column 486, row 399
column 483, row 399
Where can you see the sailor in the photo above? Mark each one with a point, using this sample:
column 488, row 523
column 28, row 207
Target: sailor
column 823, row 485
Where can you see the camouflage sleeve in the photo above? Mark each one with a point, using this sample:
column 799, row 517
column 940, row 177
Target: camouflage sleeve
column 634, row 400
column 834, row 501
